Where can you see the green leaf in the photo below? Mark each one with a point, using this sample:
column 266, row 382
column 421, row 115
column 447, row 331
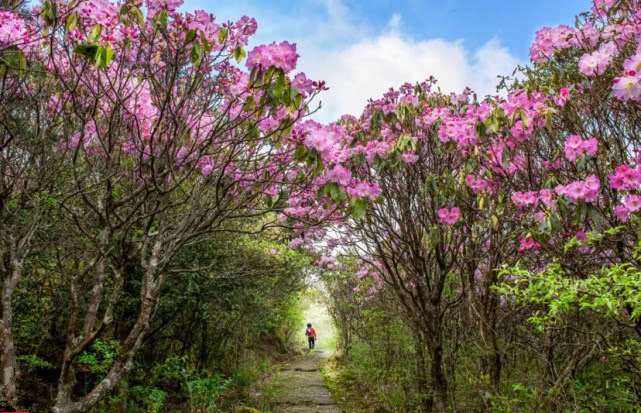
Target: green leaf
column 99, row 56
column 594, row 215
column 71, row 22
column 239, row 54
column 139, row 16
column 525, row 120
column 280, row 85
column 162, row 19
column 301, row 153
column 549, row 121
column 221, row 35
column 190, row 36
column 205, row 43
column 94, row 33
column 250, row 104
column 360, row 208
column 14, row 59
column 86, row 50
column 505, row 158
column 196, row 54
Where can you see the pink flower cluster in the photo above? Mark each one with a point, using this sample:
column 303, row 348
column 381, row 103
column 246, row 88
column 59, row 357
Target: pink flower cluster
column 364, row 189
column 576, row 147
column 625, row 178
column 449, row 216
column 622, row 213
column 339, row 175
column 477, row 185
column 595, row 63
column 459, row 130
column 547, row 39
column 282, row 55
column 587, row 190
column 633, row 203
column 562, row 98
column 527, row 243
column 156, row 6
column 525, row 199
column 328, row 262
column 628, row 85
column 409, row 157
column 13, row 30
column 327, row 140
column 587, row 37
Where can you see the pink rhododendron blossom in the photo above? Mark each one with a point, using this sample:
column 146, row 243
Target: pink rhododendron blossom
column 625, row 178
column 327, row 262
column 633, row 203
column 587, row 190
column 448, row 216
column 477, row 185
column 13, row 30
column 552, row 164
column 206, row 170
column 282, row 55
column 633, row 64
column 562, row 98
column 595, row 63
column 524, row 199
column 156, row 6
column 545, row 195
column 576, row 147
column 627, row 87
column 547, row 39
column 339, row 175
column 622, row 213
column 409, row 157
column 296, row 242
column 527, row 243
column 587, row 37
column 305, row 86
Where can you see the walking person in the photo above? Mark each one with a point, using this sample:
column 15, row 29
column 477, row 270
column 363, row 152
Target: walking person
column 311, row 335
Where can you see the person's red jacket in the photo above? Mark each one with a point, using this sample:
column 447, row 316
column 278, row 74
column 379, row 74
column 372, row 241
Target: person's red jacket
column 312, row 332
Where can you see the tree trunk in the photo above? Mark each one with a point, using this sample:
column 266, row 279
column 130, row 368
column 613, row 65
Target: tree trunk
column 439, row 380
column 491, row 358
column 427, row 399
column 8, row 364
column 124, row 361
column 121, row 366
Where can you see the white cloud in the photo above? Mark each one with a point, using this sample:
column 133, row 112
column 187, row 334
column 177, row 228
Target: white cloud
column 371, row 65
column 359, row 62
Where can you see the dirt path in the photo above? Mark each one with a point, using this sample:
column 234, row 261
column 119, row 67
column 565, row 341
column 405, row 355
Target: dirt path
column 301, row 387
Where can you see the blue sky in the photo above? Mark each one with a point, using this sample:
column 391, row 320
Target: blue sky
column 361, row 48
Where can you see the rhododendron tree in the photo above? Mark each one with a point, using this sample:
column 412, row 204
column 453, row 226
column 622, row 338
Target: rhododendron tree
column 570, row 128
column 164, row 141
column 435, row 233
column 572, row 137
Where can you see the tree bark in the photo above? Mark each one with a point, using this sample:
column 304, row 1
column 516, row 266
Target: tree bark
column 421, row 375
column 491, row 358
column 8, row 363
column 152, row 283
column 439, row 380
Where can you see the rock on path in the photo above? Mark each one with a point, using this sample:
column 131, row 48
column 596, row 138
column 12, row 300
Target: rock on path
column 301, row 387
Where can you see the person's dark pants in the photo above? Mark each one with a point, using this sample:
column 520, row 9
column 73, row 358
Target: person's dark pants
column 312, row 341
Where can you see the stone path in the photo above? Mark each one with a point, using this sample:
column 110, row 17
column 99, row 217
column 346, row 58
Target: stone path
column 301, row 387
